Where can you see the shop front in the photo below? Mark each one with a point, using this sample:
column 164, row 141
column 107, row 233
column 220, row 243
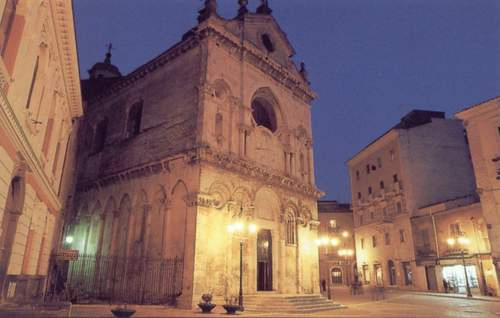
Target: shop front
column 454, row 275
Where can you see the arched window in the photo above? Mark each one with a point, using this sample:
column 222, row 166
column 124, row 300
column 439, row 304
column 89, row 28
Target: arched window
column 218, row 127
column 291, row 230
column 336, row 275
column 134, row 120
column 101, row 131
column 264, row 115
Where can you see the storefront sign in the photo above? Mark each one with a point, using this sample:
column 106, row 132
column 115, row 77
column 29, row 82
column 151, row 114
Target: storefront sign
column 67, row 255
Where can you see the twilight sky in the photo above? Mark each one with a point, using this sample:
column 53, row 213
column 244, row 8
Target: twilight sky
column 370, row 61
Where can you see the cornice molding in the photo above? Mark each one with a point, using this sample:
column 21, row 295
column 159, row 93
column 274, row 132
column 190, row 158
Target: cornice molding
column 204, row 154
column 62, row 17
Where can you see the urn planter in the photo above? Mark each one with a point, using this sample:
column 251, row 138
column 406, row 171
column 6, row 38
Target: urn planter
column 122, row 312
column 206, row 307
column 231, row 309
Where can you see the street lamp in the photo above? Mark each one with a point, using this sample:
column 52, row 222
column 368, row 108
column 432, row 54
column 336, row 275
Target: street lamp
column 241, row 228
column 463, row 242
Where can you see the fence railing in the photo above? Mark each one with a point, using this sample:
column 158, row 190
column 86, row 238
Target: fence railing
column 93, row 278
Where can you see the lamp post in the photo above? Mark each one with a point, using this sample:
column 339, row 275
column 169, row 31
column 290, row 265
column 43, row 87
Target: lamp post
column 241, row 228
column 325, row 241
column 463, row 242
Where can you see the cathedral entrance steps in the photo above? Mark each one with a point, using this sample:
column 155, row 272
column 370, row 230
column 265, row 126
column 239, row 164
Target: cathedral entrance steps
column 290, row 303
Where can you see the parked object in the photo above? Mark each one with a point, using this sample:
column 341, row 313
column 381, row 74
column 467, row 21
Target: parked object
column 122, row 311
column 206, row 306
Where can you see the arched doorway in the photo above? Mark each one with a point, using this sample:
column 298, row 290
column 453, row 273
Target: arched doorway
column 264, row 261
column 392, row 272
column 13, row 209
column 336, row 274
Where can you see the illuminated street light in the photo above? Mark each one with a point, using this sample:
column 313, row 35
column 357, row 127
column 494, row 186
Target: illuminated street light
column 69, row 239
column 463, row 242
column 345, row 234
column 334, row 241
column 242, row 229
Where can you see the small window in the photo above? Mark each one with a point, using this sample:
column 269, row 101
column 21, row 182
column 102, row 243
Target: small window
column 333, row 224
column 362, row 243
column 100, row 136
column 369, row 190
column 387, row 238
column 372, row 215
column 395, row 178
column 359, row 195
column 268, row 44
column 134, row 120
column 379, row 162
column 382, row 185
column 391, row 153
column 291, row 229
column 399, row 208
column 218, row 127
column 498, row 129
column 367, row 169
column 357, row 174
column 402, row 237
column 374, row 241
column 455, row 229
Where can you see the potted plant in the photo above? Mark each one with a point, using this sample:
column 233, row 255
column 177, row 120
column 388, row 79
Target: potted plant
column 122, row 311
column 206, row 305
column 232, row 306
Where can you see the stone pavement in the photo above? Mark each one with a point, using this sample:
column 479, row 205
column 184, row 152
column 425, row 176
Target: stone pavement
column 394, row 304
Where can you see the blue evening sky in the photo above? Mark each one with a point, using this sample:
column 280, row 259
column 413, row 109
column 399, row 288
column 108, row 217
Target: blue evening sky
column 370, row 61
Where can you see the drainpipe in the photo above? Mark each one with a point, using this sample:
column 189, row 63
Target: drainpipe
column 435, row 235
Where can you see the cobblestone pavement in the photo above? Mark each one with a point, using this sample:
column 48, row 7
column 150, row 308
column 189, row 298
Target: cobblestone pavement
column 395, row 304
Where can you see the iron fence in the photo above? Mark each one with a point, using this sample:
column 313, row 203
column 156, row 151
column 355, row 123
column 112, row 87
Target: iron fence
column 93, row 278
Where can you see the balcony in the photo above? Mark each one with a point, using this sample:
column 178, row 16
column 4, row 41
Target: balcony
column 425, row 252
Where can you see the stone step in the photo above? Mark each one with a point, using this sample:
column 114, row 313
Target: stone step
column 288, row 303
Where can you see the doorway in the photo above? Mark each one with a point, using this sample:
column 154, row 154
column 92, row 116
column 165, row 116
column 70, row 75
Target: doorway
column 264, row 261
column 430, row 274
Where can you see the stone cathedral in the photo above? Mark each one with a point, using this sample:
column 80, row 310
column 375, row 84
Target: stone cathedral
column 215, row 129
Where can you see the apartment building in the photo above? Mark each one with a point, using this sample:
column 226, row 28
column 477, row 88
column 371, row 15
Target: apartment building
column 420, row 161
column 336, row 250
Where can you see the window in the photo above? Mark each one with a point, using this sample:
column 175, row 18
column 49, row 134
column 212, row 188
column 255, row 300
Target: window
column 387, row 238
column 361, row 220
column 424, row 236
column 359, row 195
column 455, row 229
column 408, row 275
column 134, row 120
column 218, row 127
column 333, row 223
column 498, row 128
column 366, row 274
column 362, row 243
column 379, row 162
column 369, row 190
column 336, row 276
column 374, row 241
column 357, row 174
column 372, row 215
column 382, row 186
column 291, row 229
column 395, row 178
column 33, row 80
column 391, row 153
column 402, row 237
column 367, row 169
column 263, row 114
column 268, row 44
column 100, row 136
column 399, row 208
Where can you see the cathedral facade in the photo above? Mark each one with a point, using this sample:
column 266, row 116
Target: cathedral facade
column 215, row 131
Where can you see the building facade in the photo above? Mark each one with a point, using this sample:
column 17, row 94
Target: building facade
column 39, row 100
column 337, row 258
column 422, row 160
column 438, row 229
column 482, row 123
column 212, row 135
